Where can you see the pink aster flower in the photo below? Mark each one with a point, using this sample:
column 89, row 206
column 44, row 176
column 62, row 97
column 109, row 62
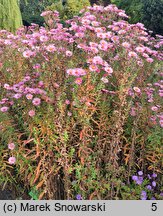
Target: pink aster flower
column 93, row 67
column 29, row 96
column 27, row 53
column 94, row 50
column 97, row 60
column 78, row 81
column 51, row 48
column 36, row 101
column 115, row 39
column 161, row 93
column 46, row 13
column 79, row 72
column 140, row 49
column 145, row 55
column 36, row 66
column 6, row 86
column 41, row 84
column 136, row 89
column 101, row 35
column 126, row 45
column 132, row 54
column 154, row 108
column 121, row 32
column 70, row 71
column 93, row 44
column 12, row 160
column 99, row 30
column 26, row 78
column 11, row 146
column 150, row 60
column 108, row 70
column 67, row 101
column 104, row 80
column 95, row 23
column 161, row 122
column 69, row 113
column 68, row 53
column 4, row 109
column 17, row 96
column 133, row 111
column 31, row 113
column 43, row 38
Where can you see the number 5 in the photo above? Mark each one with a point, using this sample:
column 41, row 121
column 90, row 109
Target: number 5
column 154, row 207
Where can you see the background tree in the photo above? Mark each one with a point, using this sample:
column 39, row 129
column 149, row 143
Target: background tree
column 68, row 8
column 152, row 15
column 133, row 8
column 10, row 15
column 103, row 2
column 31, row 10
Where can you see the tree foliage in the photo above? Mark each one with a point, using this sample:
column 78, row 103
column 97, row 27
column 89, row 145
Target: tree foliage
column 31, row 10
column 152, row 15
column 132, row 8
column 10, row 16
column 149, row 12
column 69, row 8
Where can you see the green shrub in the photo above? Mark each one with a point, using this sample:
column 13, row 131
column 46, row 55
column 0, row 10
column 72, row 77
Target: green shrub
column 152, row 15
column 70, row 9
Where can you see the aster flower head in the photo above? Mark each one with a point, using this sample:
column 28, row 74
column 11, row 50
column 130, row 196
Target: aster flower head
column 11, row 146
column 6, row 86
column 29, row 96
column 139, row 181
column 36, row 101
column 17, row 96
column 133, row 111
column 150, row 60
column 154, row 108
column 143, row 195
column 104, row 80
column 51, row 48
column 136, row 89
column 69, row 113
column 140, row 49
column 78, row 81
column 43, row 38
column 31, row 113
column 149, row 187
column 68, row 53
column 12, row 160
column 93, row 67
column 161, row 122
column 108, row 70
column 140, row 173
column 4, row 109
column 78, row 197
column 126, row 45
column 134, row 178
column 132, row 54
column 97, row 60
column 27, row 53
column 154, row 184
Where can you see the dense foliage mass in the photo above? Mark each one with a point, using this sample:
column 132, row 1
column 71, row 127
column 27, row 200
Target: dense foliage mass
column 31, row 10
column 150, row 12
column 10, row 16
column 152, row 15
column 81, row 108
column 69, row 9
